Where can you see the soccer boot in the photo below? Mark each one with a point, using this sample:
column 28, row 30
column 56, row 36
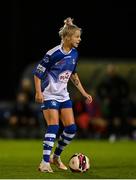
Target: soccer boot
column 45, row 167
column 57, row 161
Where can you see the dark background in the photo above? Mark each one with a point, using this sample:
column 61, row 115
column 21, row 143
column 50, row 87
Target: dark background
column 28, row 29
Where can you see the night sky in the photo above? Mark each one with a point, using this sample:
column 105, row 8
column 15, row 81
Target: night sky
column 29, row 29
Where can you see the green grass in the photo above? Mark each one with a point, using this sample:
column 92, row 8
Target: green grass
column 19, row 159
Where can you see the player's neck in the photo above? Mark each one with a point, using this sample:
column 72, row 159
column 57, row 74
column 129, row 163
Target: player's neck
column 66, row 48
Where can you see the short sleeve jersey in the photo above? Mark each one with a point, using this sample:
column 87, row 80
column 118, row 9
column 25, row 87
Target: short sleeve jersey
column 54, row 70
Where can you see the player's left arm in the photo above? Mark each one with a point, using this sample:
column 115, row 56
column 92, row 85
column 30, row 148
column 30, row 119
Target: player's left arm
column 76, row 81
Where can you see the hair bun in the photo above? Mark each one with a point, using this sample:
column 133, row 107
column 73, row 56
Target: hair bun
column 68, row 21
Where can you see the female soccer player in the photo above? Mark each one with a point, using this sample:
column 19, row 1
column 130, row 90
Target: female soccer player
column 51, row 76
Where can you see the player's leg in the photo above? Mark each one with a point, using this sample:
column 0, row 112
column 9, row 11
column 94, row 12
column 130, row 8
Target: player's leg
column 67, row 135
column 52, row 119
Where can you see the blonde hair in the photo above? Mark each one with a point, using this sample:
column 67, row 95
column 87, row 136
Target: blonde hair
column 69, row 28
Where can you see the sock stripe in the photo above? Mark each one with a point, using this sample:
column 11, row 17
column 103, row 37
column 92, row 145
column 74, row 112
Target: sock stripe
column 46, row 147
column 60, row 147
column 50, row 135
column 67, row 138
column 64, row 140
column 49, row 143
column 49, row 139
column 61, row 143
column 46, row 152
column 68, row 135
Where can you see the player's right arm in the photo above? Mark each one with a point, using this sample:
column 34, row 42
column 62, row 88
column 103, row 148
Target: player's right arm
column 39, row 73
column 38, row 92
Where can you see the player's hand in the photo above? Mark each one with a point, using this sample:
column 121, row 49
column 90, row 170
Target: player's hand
column 89, row 98
column 39, row 97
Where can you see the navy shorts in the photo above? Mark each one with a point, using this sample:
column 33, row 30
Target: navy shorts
column 53, row 104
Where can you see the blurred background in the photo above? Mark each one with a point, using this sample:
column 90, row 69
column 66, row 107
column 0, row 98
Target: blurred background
column 107, row 66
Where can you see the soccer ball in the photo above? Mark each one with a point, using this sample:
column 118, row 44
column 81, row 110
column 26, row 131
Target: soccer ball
column 79, row 163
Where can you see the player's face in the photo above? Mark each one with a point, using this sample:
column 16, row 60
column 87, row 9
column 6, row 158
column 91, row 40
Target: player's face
column 75, row 39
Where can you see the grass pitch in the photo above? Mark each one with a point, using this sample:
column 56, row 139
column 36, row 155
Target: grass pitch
column 19, row 159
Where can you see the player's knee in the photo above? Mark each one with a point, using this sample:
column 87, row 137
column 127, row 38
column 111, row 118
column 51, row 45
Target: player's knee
column 71, row 129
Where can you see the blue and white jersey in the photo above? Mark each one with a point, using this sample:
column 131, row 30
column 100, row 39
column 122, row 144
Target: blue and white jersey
column 54, row 70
